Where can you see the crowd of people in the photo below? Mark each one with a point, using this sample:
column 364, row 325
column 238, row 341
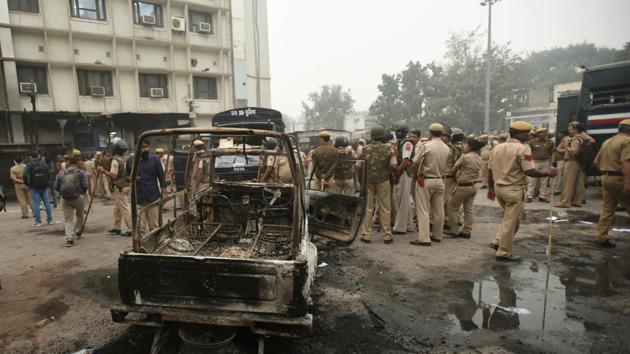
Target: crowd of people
column 70, row 182
column 429, row 183
column 425, row 183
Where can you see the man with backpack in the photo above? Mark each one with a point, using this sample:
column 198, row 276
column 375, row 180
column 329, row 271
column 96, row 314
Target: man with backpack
column 578, row 158
column 72, row 183
column 36, row 176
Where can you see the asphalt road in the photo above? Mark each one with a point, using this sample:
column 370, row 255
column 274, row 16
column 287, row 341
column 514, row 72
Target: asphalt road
column 369, row 298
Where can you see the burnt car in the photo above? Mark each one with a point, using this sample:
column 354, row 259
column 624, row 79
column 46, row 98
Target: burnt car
column 238, row 253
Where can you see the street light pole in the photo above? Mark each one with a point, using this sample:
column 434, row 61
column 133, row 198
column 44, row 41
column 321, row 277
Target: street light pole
column 486, row 116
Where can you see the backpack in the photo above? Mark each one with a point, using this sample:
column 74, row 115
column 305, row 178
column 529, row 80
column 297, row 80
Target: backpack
column 70, row 184
column 38, row 175
column 120, row 181
column 586, row 155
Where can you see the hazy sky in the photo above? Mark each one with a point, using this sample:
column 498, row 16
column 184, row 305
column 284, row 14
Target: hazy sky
column 352, row 42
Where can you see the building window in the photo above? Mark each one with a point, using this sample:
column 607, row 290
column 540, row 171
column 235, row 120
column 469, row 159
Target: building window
column 95, row 82
column 88, row 9
column 35, row 74
column 24, row 5
column 205, row 88
column 153, row 81
column 141, row 8
column 196, row 18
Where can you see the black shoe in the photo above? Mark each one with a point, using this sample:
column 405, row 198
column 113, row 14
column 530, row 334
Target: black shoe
column 543, row 200
column 398, row 232
column 113, row 231
column 69, row 243
column 510, row 258
column 418, row 243
column 494, row 246
column 464, row 235
column 387, row 241
column 365, row 240
column 529, row 200
column 606, row 244
column 435, row 240
column 25, row 217
column 126, row 234
column 78, row 235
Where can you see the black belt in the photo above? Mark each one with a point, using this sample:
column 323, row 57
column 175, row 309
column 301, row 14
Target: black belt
column 467, row 184
column 449, row 177
column 425, row 177
column 612, row 173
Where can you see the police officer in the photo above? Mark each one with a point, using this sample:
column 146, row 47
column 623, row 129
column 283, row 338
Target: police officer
column 613, row 161
column 542, row 151
column 324, row 162
column 116, row 173
column 22, row 192
column 430, row 165
column 467, row 169
column 269, row 162
column 381, row 160
column 345, row 176
column 456, row 151
column 403, row 221
column 485, row 157
column 510, row 164
column 573, row 192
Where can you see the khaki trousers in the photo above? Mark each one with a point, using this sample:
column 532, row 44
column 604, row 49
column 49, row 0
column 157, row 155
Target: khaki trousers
column 73, row 216
column 538, row 186
column 402, row 198
column 23, row 195
column 463, row 195
column 378, row 192
column 121, row 208
column 573, row 191
column 449, row 188
column 430, row 207
column 612, row 186
column 511, row 198
column 148, row 219
column 343, row 186
column 316, row 185
column 557, row 188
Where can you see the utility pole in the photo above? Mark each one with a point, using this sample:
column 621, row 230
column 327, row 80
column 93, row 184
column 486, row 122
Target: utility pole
column 486, row 116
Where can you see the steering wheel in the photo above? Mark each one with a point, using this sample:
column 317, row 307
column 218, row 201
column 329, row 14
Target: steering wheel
column 273, row 197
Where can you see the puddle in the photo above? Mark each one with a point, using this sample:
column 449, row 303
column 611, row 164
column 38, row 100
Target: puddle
column 608, row 277
column 514, row 297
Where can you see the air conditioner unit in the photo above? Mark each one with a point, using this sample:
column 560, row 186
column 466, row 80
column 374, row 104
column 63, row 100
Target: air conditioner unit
column 178, row 24
column 28, row 87
column 156, row 92
column 205, row 27
column 147, row 20
column 97, row 91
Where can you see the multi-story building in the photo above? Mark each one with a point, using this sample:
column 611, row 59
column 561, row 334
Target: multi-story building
column 78, row 72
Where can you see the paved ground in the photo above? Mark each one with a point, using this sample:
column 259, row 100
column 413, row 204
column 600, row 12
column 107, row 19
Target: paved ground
column 372, row 298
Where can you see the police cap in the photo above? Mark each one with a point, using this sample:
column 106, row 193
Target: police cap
column 159, row 151
column 625, row 122
column 483, row 137
column 324, row 134
column 198, row 142
column 76, row 153
column 446, row 131
column 436, row 127
column 521, row 126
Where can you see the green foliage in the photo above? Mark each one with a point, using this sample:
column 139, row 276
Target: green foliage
column 327, row 108
column 453, row 93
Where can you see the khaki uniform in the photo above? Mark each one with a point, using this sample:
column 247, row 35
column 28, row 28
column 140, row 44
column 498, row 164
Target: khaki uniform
column 610, row 161
column 468, row 167
column 104, row 183
column 542, row 152
column 73, row 216
column 122, row 212
column 508, row 162
column 573, row 191
column 559, row 158
column 344, row 173
column 324, row 165
column 431, row 162
column 22, row 192
column 380, row 158
column 485, row 152
column 450, row 180
column 403, row 222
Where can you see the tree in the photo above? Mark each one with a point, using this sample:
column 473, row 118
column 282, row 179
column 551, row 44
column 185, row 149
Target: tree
column 623, row 54
column 327, row 108
column 387, row 109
